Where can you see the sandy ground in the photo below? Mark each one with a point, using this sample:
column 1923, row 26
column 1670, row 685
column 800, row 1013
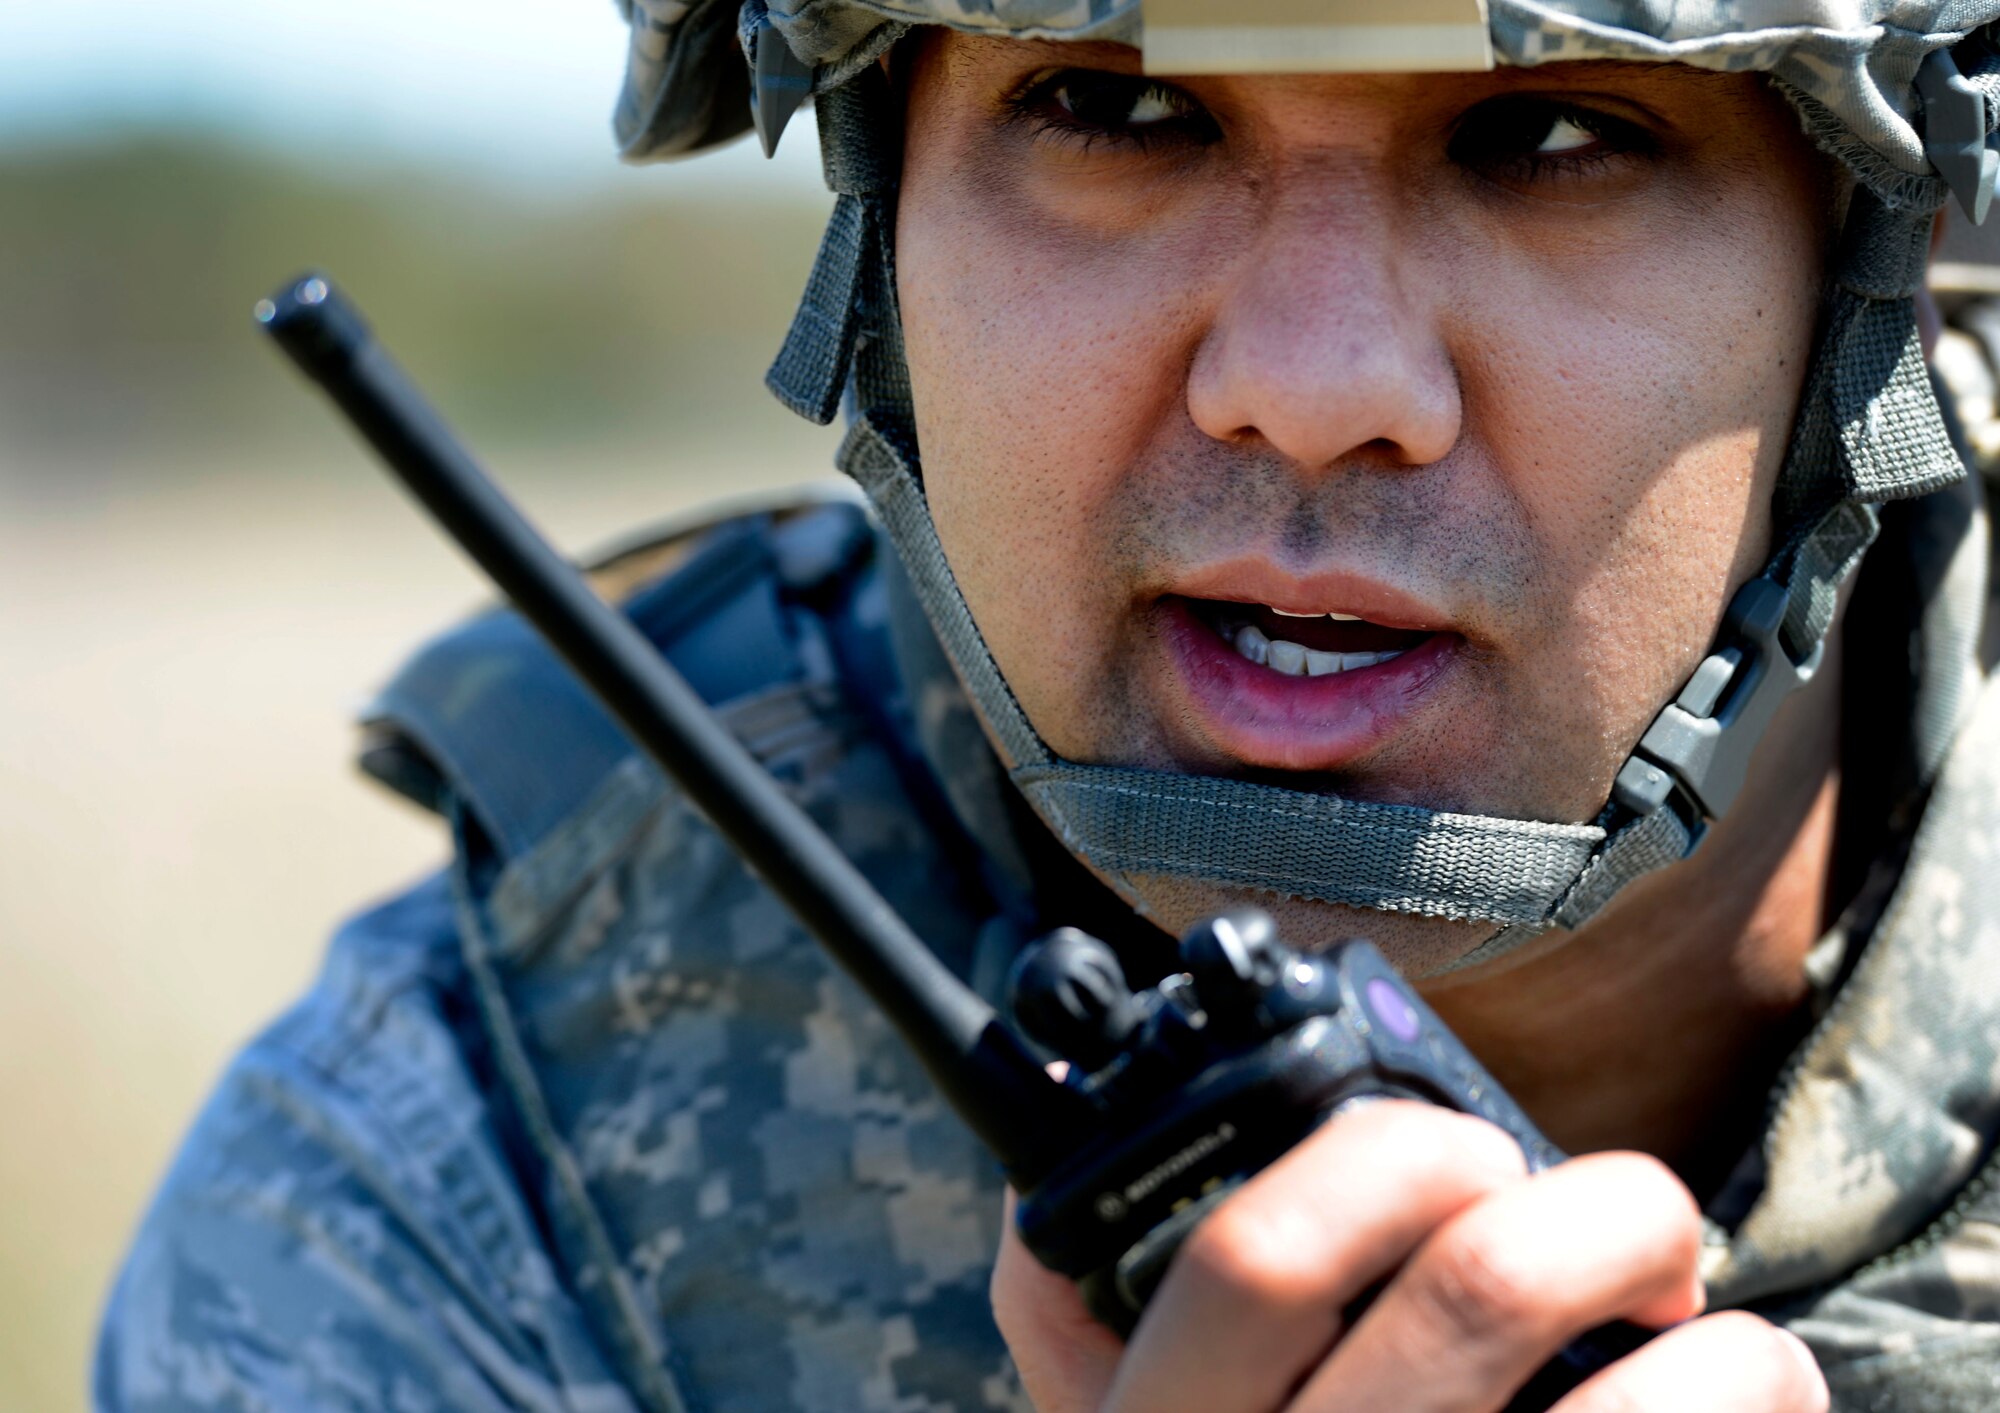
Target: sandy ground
column 179, row 823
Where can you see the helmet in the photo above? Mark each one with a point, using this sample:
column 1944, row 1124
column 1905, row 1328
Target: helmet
column 1904, row 96
column 1852, row 69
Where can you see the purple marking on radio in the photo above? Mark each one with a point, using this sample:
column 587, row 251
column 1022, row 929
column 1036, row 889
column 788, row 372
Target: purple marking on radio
column 1388, row 1006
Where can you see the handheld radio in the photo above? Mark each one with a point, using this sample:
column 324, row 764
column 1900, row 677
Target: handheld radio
column 1174, row 1095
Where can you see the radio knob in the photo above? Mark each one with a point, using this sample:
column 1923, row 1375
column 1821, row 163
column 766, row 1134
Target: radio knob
column 1070, row 994
column 1236, row 960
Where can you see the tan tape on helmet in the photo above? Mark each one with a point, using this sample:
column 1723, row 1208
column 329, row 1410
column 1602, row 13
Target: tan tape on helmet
column 1315, row 36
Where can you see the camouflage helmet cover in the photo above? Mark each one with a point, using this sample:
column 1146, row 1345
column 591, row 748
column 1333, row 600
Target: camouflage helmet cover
column 1851, row 66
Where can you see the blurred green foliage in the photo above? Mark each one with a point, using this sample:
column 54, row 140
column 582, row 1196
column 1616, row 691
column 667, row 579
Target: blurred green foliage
column 198, row 564
column 609, row 318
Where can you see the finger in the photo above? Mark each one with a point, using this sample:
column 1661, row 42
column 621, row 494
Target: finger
column 1727, row 1363
column 1497, row 1291
column 1254, row 1298
column 1066, row 1359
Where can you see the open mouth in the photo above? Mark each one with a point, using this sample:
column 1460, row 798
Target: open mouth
column 1304, row 644
column 1294, row 691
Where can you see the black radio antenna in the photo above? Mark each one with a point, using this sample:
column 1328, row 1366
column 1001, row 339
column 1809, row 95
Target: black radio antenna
column 978, row 1064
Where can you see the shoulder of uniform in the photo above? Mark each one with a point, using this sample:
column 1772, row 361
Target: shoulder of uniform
column 348, row 1178
column 1918, row 1328
column 485, row 718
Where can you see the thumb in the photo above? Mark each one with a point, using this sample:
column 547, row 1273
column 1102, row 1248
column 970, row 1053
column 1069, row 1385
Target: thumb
column 1066, row 1358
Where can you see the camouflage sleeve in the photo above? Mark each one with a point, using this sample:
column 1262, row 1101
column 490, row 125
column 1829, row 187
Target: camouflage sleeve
column 341, row 1229
column 1916, row 1330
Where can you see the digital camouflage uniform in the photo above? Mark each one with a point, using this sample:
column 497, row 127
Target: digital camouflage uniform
column 587, row 1123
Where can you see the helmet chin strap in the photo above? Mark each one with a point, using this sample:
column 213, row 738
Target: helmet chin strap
column 1868, row 431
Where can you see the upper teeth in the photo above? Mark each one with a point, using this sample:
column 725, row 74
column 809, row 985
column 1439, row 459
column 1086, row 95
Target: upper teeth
column 1296, row 660
column 1336, row 617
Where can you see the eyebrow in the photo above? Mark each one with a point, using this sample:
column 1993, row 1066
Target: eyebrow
column 1598, row 68
column 1079, row 53
column 1566, row 73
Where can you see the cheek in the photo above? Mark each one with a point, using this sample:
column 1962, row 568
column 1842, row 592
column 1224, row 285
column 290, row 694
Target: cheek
column 1028, row 336
column 1641, row 421
column 1044, row 364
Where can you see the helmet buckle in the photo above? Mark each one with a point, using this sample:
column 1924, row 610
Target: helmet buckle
column 1695, row 755
column 1955, row 137
column 780, row 83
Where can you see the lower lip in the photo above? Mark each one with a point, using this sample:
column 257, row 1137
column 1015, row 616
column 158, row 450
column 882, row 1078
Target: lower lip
column 1264, row 718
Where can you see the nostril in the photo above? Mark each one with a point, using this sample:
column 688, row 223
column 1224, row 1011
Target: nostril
column 1321, row 386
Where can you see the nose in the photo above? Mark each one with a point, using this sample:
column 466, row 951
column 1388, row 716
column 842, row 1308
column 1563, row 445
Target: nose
column 1325, row 340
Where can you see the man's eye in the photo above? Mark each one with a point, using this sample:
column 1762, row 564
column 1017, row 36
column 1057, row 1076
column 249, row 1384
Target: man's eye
column 1091, row 106
column 1539, row 139
column 1566, row 135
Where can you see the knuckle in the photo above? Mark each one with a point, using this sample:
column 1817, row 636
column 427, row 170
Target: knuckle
column 1410, row 1131
column 1659, row 1182
column 1426, row 1138
column 1257, row 1252
column 1671, row 1191
column 1479, row 1282
column 1650, row 1187
column 1274, row 1246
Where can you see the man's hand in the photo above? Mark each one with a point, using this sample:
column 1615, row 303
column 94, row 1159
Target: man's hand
column 1488, row 1274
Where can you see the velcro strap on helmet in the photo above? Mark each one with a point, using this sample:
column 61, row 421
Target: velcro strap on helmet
column 1884, row 253
column 849, row 299
column 1820, row 559
column 810, row 372
column 1868, row 427
column 859, row 128
column 1893, row 441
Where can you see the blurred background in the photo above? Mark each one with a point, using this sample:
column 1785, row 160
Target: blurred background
column 201, row 575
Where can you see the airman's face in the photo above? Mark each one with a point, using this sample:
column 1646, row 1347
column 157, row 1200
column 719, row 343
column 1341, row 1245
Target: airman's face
column 1395, row 435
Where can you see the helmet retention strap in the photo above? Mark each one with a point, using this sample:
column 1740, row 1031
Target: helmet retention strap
column 1868, row 430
